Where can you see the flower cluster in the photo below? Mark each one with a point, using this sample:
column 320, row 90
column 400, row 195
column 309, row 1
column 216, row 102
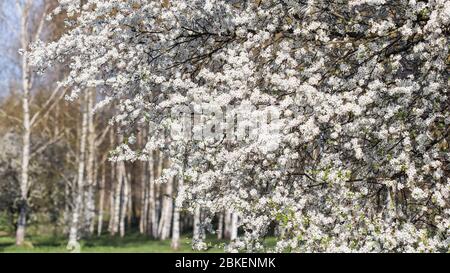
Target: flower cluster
column 360, row 160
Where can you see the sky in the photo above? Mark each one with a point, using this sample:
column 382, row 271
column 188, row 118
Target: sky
column 8, row 21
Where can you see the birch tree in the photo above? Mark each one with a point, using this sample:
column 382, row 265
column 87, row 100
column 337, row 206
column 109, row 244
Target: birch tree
column 89, row 211
column 123, row 198
column 143, row 220
column 101, row 198
column 152, row 208
column 79, row 187
column 175, row 244
column 165, row 222
column 28, row 27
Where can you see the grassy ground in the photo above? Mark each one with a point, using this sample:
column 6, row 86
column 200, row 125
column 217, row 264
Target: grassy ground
column 134, row 243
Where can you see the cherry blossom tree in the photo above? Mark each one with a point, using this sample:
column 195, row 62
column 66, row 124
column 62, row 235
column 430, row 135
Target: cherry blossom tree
column 328, row 119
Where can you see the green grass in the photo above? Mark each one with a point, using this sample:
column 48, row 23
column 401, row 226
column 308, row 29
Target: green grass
column 133, row 243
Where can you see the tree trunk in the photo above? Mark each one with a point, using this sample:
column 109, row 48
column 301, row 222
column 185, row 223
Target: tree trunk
column 220, row 226
column 153, row 215
column 26, row 135
column 234, row 226
column 143, row 221
column 93, row 210
column 196, row 225
column 23, row 204
column 67, row 206
column 123, row 198
column 73, row 232
column 167, row 210
column 129, row 199
column 176, row 217
column 112, row 188
column 112, row 194
column 89, row 212
column 117, row 198
column 143, row 213
column 101, row 200
column 158, row 186
column 227, row 224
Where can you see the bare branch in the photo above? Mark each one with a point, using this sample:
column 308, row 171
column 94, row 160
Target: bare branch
column 48, row 105
column 45, row 145
column 9, row 116
column 101, row 137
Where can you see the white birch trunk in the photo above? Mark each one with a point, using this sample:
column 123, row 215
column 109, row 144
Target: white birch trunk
column 30, row 29
column 112, row 188
column 227, row 224
column 23, row 205
column 123, row 199
column 67, row 207
column 158, row 186
column 196, row 225
column 129, row 199
column 143, row 187
column 101, row 200
column 89, row 212
column 234, row 227
column 176, row 217
column 143, row 221
column 111, row 197
column 26, row 135
column 94, row 211
column 153, row 215
column 117, row 199
column 167, row 211
column 79, row 187
column 220, row 226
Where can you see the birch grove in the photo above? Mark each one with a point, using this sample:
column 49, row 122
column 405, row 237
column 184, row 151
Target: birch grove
column 324, row 124
column 29, row 28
